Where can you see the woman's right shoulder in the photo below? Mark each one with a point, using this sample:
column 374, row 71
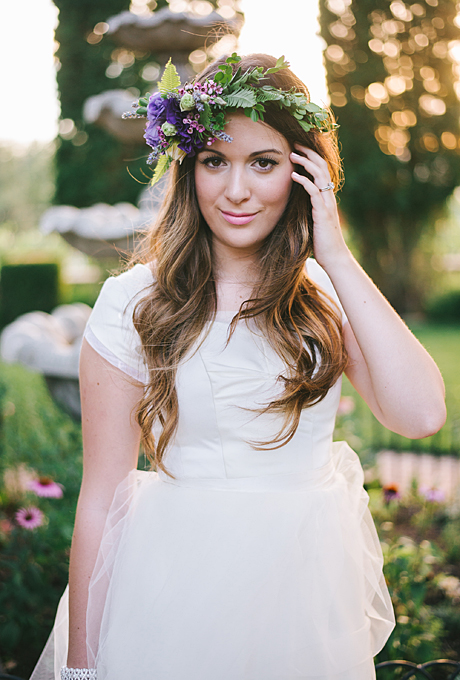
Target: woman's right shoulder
column 110, row 329
column 136, row 278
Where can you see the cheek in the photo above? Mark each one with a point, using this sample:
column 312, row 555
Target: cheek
column 278, row 191
column 199, row 185
column 208, row 187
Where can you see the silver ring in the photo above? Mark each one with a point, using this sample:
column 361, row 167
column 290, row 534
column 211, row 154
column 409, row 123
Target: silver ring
column 331, row 185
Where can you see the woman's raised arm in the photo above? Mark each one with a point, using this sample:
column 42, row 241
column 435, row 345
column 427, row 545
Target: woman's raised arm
column 388, row 366
column 111, row 439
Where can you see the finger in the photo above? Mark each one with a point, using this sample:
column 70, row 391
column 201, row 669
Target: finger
column 311, row 167
column 321, row 179
column 309, row 186
column 312, row 155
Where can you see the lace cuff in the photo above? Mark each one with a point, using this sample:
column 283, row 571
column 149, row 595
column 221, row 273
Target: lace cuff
column 74, row 673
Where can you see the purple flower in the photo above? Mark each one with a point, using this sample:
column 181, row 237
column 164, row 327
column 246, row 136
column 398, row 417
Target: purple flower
column 29, row 518
column 190, row 143
column 168, row 110
column 433, row 495
column 156, row 108
column 151, row 134
column 44, row 486
column 390, row 493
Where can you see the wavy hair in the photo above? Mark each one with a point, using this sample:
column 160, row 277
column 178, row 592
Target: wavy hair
column 301, row 323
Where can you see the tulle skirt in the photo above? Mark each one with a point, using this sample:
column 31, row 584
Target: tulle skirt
column 260, row 578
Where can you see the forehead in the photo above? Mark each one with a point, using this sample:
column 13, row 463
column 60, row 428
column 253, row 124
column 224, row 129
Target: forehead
column 249, row 136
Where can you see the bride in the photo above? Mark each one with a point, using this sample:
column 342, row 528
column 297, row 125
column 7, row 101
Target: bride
column 248, row 552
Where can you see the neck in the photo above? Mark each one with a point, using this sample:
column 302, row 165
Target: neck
column 234, row 266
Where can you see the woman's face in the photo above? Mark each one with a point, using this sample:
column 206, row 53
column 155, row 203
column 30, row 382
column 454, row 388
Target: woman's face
column 243, row 186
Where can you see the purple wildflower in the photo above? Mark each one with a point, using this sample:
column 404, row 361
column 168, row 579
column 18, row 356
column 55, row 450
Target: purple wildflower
column 432, row 494
column 29, row 518
column 46, row 487
column 390, row 493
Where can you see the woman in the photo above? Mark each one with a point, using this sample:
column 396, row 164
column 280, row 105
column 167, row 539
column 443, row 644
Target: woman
column 250, row 554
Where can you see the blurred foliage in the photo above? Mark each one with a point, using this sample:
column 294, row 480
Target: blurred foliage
column 90, row 163
column 422, row 573
column 357, row 425
column 408, row 570
column 26, row 183
column 36, row 436
column 391, row 73
column 27, row 288
column 444, row 308
column 23, row 246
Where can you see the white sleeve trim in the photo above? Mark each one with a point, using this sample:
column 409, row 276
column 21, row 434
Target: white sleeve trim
column 104, row 352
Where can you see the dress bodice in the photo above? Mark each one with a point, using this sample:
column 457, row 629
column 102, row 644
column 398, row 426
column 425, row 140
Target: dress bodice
column 221, row 387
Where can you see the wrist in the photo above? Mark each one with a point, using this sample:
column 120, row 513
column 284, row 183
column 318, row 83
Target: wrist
column 332, row 262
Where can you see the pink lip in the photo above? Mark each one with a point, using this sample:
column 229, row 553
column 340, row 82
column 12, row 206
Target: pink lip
column 238, row 218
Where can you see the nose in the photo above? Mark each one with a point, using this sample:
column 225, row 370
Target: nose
column 237, row 189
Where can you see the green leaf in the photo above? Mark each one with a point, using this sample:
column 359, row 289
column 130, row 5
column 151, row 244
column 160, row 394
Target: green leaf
column 242, row 99
column 235, row 77
column 218, row 77
column 162, row 166
column 170, row 80
column 313, row 108
column 268, row 94
column 141, row 111
column 305, row 126
column 205, row 115
column 281, row 64
column 233, row 59
column 259, row 107
column 254, row 115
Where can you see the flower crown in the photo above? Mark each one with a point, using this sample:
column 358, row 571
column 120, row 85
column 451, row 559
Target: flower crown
column 182, row 120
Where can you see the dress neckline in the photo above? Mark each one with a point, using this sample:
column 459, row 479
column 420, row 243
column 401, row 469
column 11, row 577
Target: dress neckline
column 225, row 316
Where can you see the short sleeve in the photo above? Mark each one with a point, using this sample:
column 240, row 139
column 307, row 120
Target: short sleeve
column 319, row 277
column 110, row 329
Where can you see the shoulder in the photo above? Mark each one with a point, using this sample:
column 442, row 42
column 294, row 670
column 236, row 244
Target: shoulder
column 130, row 283
column 110, row 329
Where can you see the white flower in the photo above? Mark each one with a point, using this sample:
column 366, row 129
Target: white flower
column 187, row 103
column 169, row 129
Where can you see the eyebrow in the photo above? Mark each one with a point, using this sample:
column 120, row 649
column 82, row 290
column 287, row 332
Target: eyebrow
column 251, row 155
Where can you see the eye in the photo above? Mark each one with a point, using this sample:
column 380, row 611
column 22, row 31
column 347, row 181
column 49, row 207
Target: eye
column 266, row 164
column 212, row 161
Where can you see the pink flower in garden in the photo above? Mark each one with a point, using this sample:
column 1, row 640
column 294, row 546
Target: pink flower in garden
column 346, row 406
column 432, row 494
column 46, row 487
column 29, row 518
column 5, row 526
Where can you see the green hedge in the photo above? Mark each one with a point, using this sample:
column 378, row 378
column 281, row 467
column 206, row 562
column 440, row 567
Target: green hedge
column 26, row 288
column 445, row 308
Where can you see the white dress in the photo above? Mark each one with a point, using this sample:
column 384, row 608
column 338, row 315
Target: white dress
column 249, row 565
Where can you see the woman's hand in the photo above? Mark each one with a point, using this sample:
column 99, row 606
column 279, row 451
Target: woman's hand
column 328, row 241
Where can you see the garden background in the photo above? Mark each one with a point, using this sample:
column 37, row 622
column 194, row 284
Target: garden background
column 392, row 75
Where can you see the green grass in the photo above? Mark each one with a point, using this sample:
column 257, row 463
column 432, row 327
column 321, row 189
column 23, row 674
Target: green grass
column 366, row 434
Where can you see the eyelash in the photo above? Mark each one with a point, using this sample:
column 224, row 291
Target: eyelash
column 271, row 161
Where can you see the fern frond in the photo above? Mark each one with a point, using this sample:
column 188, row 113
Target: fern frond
column 170, row 80
column 243, row 98
column 162, row 166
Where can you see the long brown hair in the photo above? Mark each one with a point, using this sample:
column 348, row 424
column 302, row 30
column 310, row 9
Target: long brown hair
column 298, row 320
